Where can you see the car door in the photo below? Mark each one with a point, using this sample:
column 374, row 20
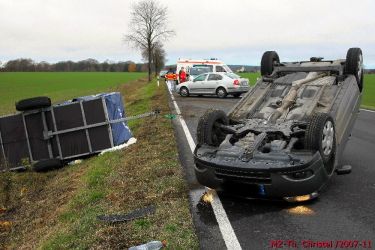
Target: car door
column 197, row 85
column 213, row 81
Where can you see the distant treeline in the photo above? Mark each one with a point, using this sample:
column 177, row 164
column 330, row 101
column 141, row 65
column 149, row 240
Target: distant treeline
column 88, row 65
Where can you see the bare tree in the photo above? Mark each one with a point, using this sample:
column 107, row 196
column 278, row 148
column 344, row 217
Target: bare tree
column 158, row 57
column 148, row 25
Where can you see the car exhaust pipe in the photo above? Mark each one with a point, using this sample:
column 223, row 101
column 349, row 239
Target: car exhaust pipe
column 290, row 98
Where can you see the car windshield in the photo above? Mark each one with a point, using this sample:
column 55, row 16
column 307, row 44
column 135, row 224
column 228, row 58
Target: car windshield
column 198, row 71
column 227, row 69
column 232, row 75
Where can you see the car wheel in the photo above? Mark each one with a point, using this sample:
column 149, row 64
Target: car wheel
column 46, row 165
column 184, row 92
column 269, row 60
column 237, row 95
column 208, row 130
column 320, row 136
column 221, row 92
column 33, row 103
column 354, row 65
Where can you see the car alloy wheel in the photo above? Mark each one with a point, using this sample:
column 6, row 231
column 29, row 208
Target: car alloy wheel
column 360, row 66
column 327, row 138
column 221, row 93
column 184, row 92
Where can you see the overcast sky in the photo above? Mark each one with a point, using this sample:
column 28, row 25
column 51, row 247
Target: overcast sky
column 235, row 31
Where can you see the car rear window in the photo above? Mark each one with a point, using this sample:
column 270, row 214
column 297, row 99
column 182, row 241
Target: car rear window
column 233, row 76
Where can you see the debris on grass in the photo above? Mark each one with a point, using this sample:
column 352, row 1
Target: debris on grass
column 136, row 214
column 170, row 116
column 23, row 191
column 5, row 226
column 78, row 161
column 124, row 145
column 152, row 245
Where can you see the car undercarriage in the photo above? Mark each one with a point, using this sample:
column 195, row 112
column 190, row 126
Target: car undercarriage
column 286, row 136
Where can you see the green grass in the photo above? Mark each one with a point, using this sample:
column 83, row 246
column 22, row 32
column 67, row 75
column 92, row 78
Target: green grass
column 58, row 209
column 368, row 98
column 58, row 86
column 79, row 219
column 251, row 76
column 149, row 175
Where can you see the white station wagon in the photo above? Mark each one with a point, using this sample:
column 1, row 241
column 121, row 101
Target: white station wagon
column 220, row 84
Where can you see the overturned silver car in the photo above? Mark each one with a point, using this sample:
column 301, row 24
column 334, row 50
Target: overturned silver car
column 286, row 136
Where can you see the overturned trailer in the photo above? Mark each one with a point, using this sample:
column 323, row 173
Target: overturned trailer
column 286, row 136
column 47, row 136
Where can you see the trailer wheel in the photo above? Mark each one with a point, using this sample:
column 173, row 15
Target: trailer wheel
column 269, row 59
column 208, row 130
column 46, row 165
column 320, row 136
column 354, row 65
column 33, row 103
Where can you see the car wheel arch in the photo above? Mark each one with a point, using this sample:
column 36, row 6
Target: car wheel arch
column 221, row 86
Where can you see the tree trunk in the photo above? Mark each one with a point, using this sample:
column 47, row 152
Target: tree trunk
column 149, row 62
column 156, row 65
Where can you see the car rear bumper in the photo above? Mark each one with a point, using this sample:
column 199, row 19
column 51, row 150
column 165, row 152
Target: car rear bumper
column 261, row 183
column 240, row 89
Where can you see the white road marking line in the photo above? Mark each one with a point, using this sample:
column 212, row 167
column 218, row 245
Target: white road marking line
column 368, row 110
column 225, row 227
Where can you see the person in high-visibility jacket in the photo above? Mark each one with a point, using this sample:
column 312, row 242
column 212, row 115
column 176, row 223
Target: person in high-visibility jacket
column 182, row 75
column 171, row 79
column 171, row 75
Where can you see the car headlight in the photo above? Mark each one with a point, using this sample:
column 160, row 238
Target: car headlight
column 302, row 198
column 300, row 175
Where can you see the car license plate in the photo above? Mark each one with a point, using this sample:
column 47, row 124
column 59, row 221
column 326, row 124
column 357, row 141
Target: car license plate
column 262, row 191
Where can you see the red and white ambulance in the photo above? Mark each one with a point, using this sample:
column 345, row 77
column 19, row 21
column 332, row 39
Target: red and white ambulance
column 194, row 67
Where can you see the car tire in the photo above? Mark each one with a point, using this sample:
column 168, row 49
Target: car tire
column 207, row 130
column 269, row 59
column 236, row 95
column 320, row 136
column 184, row 92
column 354, row 65
column 221, row 92
column 46, row 165
column 33, row 103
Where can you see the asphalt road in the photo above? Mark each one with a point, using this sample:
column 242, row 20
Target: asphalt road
column 345, row 209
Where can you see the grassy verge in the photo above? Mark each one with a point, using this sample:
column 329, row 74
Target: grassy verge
column 58, row 86
column 368, row 98
column 59, row 209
